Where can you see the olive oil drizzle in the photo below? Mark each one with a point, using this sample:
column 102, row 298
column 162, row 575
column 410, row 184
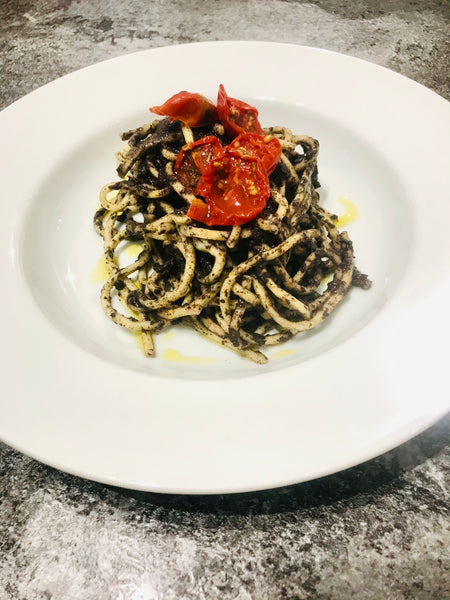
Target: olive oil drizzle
column 351, row 212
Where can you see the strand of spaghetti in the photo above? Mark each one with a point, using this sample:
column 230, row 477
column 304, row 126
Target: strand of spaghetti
column 212, row 326
column 236, row 323
column 201, row 232
column 192, row 308
column 307, row 264
column 301, row 202
column 271, row 223
column 266, row 255
column 233, row 238
column 105, row 297
column 99, row 216
column 246, row 295
column 187, row 134
column 220, row 256
column 288, row 166
column 137, row 188
column 335, row 292
column 188, row 252
column 291, row 285
column 171, row 156
column 135, row 152
column 113, row 200
column 128, row 322
column 166, row 224
column 292, row 326
column 279, row 197
column 177, row 186
column 268, row 339
column 148, row 344
column 288, row 300
column 253, row 355
column 109, row 244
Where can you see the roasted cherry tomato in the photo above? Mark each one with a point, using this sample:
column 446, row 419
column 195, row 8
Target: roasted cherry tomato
column 193, row 159
column 237, row 116
column 235, row 190
column 265, row 148
column 207, row 213
column 193, row 110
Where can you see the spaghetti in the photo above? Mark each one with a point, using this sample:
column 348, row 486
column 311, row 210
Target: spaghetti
column 245, row 286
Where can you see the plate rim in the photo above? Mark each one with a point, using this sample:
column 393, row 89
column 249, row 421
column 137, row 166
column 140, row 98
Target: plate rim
column 425, row 422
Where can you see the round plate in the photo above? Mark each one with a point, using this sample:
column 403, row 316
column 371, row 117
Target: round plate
column 78, row 393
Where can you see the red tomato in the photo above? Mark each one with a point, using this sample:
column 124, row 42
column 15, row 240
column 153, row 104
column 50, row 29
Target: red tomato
column 235, row 189
column 265, row 148
column 193, row 159
column 193, row 110
column 237, row 116
column 207, row 213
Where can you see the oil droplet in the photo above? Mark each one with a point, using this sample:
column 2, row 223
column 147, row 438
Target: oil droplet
column 139, row 340
column 175, row 356
column 283, row 353
column 133, row 250
column 100, row 272
column 326, row 280
column 169, row 336
column 351, row 212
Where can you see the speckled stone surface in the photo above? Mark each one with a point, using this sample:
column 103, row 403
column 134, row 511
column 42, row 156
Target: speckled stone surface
column 379, row 531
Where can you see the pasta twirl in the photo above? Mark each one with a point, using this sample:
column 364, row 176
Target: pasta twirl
column 245, row 286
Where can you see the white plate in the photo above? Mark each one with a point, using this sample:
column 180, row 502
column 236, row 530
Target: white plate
column 76, row 392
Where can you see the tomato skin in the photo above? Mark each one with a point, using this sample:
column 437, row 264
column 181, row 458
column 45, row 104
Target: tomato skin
column 265, row 148
column 193, row 110
column 233, row 181
column 236, row 190
column 207, row 213
column 193, row 159
column 237, row 116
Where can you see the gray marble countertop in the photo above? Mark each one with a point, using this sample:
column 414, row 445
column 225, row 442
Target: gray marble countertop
column 376, row 531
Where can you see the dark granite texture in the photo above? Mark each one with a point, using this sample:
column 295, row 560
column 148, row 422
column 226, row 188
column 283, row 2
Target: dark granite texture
column 379, row 531
column 41, row 40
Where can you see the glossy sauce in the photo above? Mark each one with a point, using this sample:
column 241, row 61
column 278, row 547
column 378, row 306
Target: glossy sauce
column 283, row 353
column 168, row 336
column 351, row 212
column 139, row 340
column 175, row 356
column 100, row 272
column 133, row 250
